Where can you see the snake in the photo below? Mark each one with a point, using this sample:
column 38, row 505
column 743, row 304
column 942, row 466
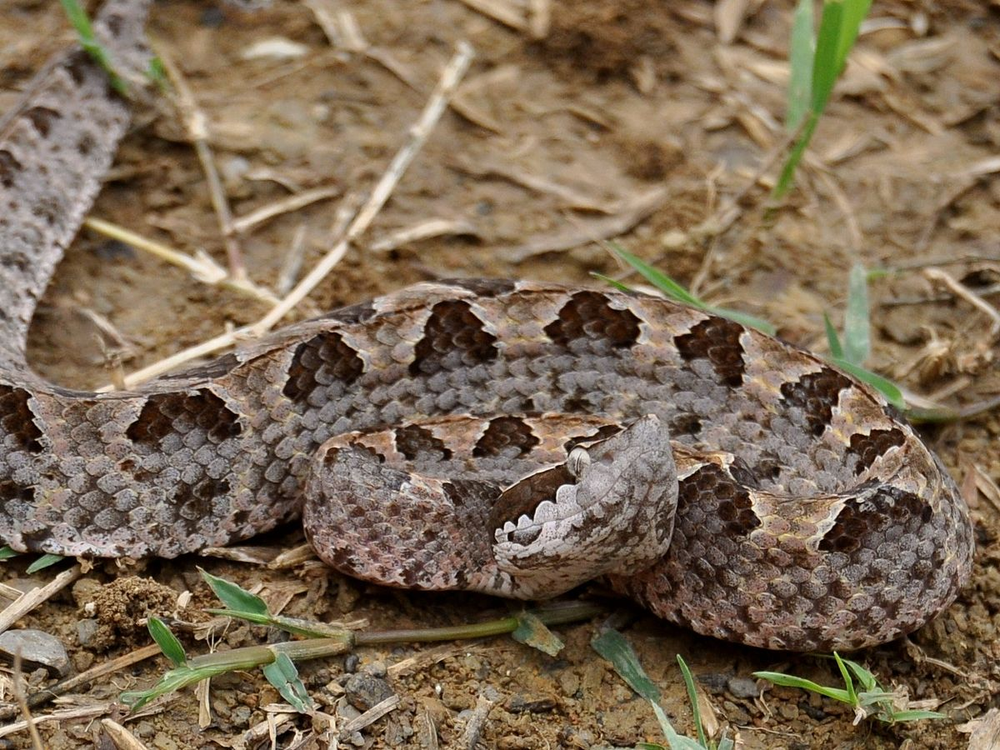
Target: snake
column 515, row 438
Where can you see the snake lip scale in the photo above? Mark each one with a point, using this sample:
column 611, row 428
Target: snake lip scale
column 513, row 438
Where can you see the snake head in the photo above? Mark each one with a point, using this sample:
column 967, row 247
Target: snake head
column 608, row 509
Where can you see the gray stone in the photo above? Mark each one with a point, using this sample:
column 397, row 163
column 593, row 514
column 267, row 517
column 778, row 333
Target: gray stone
column 38, row 649
column 743, row 687
column 364, row 690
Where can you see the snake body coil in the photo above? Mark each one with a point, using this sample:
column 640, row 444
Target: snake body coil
column 509, row 437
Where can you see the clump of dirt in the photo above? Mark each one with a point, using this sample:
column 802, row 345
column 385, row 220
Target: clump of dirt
column 121, row 608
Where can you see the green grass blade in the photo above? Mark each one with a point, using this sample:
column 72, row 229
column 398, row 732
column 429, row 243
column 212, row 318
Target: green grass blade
column 916, row 715
column 613, row 282
column 675, row 740
column 285, row 677
column 6, row 553
column 787, row 680
column 832, row 339
column 857, row 326
column 854, row 14
column 784, row 182
column 801, row 53
column 235, row 597
column 167, row 641
column 825, row 67
column 85, row 35
column 612, row 646
column 866, row 678
column 848, row 681
column 43, row 562
column 678, row 293
column 693, row 700
column 744, row 319
column 531, row 631
column 658, row 279
column 885, row 386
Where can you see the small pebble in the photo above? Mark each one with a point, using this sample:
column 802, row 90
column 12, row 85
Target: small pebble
column 376, row 669
column 743, row 687
column 364, row 690
column 85, row 631
column 37, row 648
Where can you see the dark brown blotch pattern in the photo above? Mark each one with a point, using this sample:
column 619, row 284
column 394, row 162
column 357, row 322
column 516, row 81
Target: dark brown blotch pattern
column 589, row 317
column 711, row 485
column 317, row 363
column 816, row 394
column 165, row 413
column 41, row 119
column 17, row 419
column 503, row 433
column 9, row 168
column 718, row 341
column 453, row 337
column 869, row 447
column 414, row 441
column 868, row 516
column 11, row 491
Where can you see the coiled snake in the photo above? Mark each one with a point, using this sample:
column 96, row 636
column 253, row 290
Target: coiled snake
column 511, row 438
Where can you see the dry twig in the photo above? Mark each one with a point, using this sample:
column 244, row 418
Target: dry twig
column 31, row 599
column 196, row 124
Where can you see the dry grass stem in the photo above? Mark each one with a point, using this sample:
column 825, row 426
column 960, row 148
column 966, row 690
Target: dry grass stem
column 266, row 729
column 570, row 197
column 31, row 599
column 196, row 123
column 508, row 12
column 937, row 276
column 416, row 138
column 63, row 715
column 22, row 703
column 202, row 268
column 370, row 716
column 94, row 673
column 168, row 364
column 292, row 203
column 422, row 231
column 122, row 738
column 343, row 32
column 293, row 557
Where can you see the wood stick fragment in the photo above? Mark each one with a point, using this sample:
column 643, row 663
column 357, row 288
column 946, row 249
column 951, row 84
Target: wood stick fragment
column 422, row 231
column 31, row 599
column 122, row 738
column 85, row 712
column 201, row 267
column 94, row 673
column 370, row 716
column 22, row 704
column 294, row 202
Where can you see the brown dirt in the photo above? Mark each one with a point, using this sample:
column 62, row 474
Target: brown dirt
column 619, row 98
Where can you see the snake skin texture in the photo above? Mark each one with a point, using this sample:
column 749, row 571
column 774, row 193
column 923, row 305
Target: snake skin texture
column 515, row 438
